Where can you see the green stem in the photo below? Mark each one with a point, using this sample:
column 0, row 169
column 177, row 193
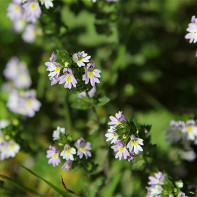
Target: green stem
column 67, row 112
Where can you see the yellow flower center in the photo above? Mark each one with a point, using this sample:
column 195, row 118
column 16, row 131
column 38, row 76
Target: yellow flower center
column 57, row 69
column 69, row 79
column 67, row 166
column 134, row 142
column 83, row 148
column 189, row 130
column 121, row 148
column 90, row 74
column 29, row 103
column 54, row 155
column 1, row 139
column 17, row 8
column 68, row 152
column 80, row 59
column 118, row 122
column 33, row 6
column 12, row 146
column 113, row 135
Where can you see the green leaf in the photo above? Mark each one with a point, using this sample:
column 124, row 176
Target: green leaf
column 103, row 100
column 63, row 193
column 17, row 184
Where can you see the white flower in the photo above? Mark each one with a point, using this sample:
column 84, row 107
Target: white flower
column 135, row 144
column 47, row 3
column 4, row 123
column 68, row 152
column 54, row 69
column 192, row 29
column 111, row 135
column 179, row 184
column 56, row 133
column 190, row 131
column 19, row 25
column 12, row 148
column 14, row 11
column 155, row 190
column 30, row 33
column 80, row 58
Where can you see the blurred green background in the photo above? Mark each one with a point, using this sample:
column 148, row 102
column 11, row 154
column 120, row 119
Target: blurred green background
column 148, row 71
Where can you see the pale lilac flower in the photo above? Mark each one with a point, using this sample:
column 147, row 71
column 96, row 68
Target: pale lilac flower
column 53, row 57
column 91, row 93
column 13, row 101
column 181, row 194
column 111, row 135
column 14, row 11
column 32, row 10
column 120, row 150
column 30, row 33
column 31, row 105
column 83, row 148
column 47, row 3
column 23, row 79
column 154, row 191
column 4, row 150
column 53, row 156
column 192, row 29
column 131, row 156
column 18, row 1
column 135, row 144
column 158, row 179
column 11, row 70
column 91, row 74
column 54, row 68
column 57, row 132
column 68, row 78
column 19, row 25
column 68, row 152
column 67, row 165
column 81, row 58
column 115, row 121
column 54, row 80
column 4, row 123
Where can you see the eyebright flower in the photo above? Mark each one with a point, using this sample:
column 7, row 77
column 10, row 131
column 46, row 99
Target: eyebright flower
column 19, row 25
column 119, row 117
column 192, row 29
column 30, row 33
column 80, row 58
column 53, row 156
column 23, row 103
column 68, row 78
column 111, row 135
column 91, row 93
column 32, row 10
column 47, row 3
column 190, row 130
column 14, row 11
column 83, row 148
column 135, row 144
column 121, row 150
column 91, row 74
column 68, row 152
column 158, row 179
column 154, row 191
column 67, row 165
column 56, row 133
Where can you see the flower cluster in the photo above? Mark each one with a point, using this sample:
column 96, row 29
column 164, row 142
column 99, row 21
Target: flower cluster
column 24, row 14
column 192, row 29
column 126, row 141
column 8, row 147
column 23, row 102
column 17, row 73
column 67, row 149
column 72, row 70
column 20, row 101
column 182, row 131
column 160, row 185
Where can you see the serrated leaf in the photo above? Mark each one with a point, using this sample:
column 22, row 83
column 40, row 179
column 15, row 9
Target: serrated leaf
column 103, row 100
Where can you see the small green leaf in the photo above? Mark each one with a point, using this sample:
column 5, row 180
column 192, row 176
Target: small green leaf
column 103, row 100
column 63, row 193
column 17, row 184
